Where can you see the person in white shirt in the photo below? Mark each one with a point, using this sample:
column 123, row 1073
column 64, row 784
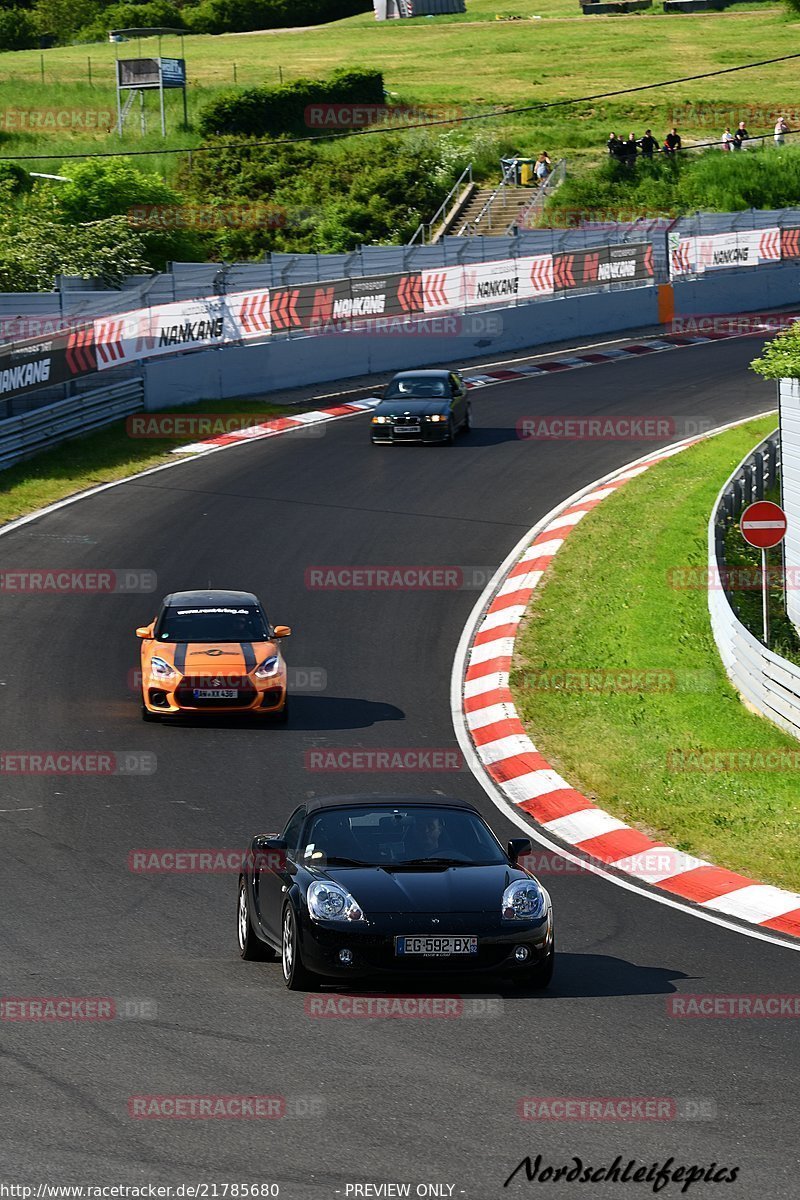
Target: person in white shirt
column 781, row 129
column 727, row 139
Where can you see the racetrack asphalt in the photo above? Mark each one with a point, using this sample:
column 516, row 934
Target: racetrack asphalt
column 415, row 1100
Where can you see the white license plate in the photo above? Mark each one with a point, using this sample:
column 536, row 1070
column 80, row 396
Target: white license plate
column 407, row 429
column 436, row 946
column 216, row 694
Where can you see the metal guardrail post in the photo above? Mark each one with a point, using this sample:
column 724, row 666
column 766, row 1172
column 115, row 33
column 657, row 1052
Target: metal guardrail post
column 758, row 465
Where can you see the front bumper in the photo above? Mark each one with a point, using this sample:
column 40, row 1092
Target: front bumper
column 373, row 945
column 175, row 697
column 430, row 431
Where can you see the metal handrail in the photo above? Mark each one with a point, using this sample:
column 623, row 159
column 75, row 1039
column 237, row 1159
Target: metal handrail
column 459, row 184
column 470, row 227
column 554, row 180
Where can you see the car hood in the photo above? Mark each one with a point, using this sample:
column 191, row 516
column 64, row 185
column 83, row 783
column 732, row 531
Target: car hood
column 416, row 407
column 215, row 658
column 429, row 889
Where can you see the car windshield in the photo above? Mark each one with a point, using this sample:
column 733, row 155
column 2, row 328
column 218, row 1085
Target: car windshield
column 416, row 388
column 395, row 837
column 212, row 623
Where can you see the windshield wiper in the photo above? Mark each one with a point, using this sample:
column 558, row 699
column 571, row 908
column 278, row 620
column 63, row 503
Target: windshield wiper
column 339, row 861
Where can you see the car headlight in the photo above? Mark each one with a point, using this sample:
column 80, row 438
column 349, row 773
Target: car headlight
column 330, row 902
column 436, row 417
column 269, row 667
column 161, row 669
column 523, row 900
column 381, row 420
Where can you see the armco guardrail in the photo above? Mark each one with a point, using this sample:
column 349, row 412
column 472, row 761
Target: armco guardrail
column 52, row 424
column 769, row 683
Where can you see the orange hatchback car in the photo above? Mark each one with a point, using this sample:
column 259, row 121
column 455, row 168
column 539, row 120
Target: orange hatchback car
column 213, row 652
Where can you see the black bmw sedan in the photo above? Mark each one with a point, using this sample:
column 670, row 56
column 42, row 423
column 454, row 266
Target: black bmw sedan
column 365, row 886
column 422, row 406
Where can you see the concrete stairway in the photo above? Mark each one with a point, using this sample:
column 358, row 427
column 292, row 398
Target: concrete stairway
column 496, row 220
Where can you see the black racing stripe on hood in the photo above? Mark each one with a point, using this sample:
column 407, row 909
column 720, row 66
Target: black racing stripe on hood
column 180, row 657
column 249, row 656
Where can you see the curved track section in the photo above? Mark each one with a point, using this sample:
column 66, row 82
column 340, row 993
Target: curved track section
column 418, row 1100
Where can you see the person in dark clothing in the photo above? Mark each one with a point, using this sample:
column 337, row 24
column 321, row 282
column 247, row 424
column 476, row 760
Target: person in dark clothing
column 629, row 150
column 672, row 141
column 740, row 136
column 648, row 144
column 614, row 145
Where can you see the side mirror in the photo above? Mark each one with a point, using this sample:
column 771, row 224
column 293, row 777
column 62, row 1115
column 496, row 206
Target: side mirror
column 146, row 631
column 282, row 631
column 274, row 843
column 518, row 847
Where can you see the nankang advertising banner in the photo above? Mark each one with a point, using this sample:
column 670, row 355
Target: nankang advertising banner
column 164, row 329
column 38, row 363
column 628, row 262
column 723, row 251
column 346, row 302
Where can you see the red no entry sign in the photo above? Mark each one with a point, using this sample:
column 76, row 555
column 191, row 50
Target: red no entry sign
column 763, row 524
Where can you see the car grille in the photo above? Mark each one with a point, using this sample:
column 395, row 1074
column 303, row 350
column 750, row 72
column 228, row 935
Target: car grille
column 184, row 694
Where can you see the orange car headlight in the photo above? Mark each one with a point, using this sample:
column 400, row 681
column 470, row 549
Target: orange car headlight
column 161, row 669
column 269, row 667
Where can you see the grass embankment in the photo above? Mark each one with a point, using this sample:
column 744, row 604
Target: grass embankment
column 432, row 61
column 104, row 456
column 610, row 602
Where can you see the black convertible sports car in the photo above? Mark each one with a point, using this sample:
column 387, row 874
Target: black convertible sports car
column 358, row 886
column 422, row 406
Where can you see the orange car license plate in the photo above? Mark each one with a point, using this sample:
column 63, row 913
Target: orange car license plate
column 216, row 693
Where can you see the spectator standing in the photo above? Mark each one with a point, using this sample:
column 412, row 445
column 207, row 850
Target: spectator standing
column 543, row 167
column 740, row 136
column 629, row 150
column 781, row 129
column 614, row 145
column 672, row 142
column 648, row 144
column 727, row 139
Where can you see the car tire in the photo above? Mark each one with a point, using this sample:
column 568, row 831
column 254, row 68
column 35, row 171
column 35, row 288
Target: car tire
column 147, row 715
column 295, row 974
column 282, row 718
column 467, row 420
column 451, row 433
column 251, row 946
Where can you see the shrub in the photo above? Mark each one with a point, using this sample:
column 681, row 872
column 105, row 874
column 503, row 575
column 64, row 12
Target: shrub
column 17, row 30
column 238, row 16
column 260, row 110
